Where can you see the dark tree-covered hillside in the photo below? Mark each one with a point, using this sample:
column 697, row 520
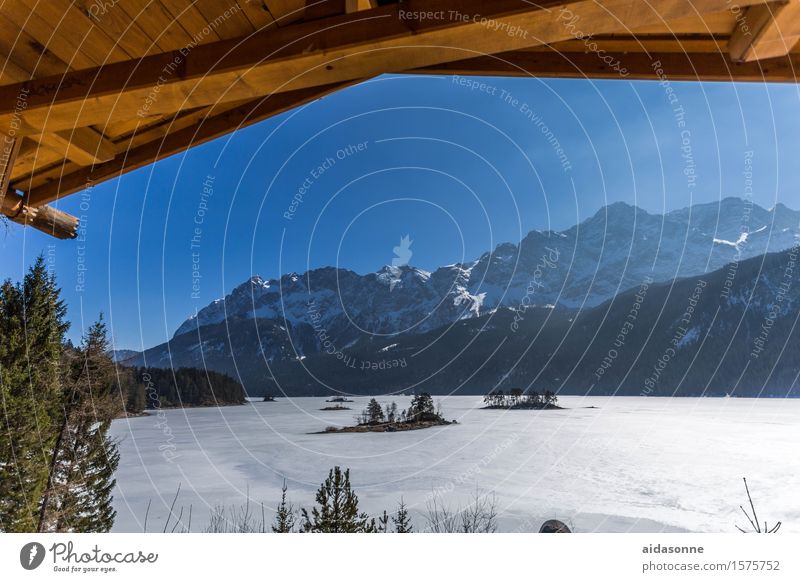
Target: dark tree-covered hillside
column 150, row 388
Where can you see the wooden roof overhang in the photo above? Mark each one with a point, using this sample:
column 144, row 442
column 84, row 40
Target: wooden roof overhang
column 91, row 89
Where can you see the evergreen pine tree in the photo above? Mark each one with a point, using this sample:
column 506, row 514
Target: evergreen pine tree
column 284, row 520
column 421, row 408
column 374, row 412
column 136, row 397
column 81, row 479
column 337, row 508
column 401, row 520
column 14, row 505
column 383, row 523
column 391, row 412
column 33, row 328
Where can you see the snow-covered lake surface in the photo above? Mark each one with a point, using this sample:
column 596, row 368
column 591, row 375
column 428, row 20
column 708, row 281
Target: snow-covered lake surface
column 630, row 464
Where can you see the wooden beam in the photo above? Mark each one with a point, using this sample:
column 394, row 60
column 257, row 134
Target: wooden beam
column 766, row 31
column 83, row 145
column 333, row 50
column 655, row 44
column 359, row 5
column 12, row 205
column 200, row 132
column 284, row 11
column 316, row 9
column 45, row 218
column 9, row 150
column 674, row 66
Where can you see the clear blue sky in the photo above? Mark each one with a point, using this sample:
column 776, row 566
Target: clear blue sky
column 458, row 168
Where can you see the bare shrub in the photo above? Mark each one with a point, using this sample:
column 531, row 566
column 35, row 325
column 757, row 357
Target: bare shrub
column 479, row 516
column 236, row 519
column 231, row 519
column 754, row 523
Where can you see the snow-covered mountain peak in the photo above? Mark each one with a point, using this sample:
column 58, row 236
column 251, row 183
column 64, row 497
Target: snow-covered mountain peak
column 614, row 250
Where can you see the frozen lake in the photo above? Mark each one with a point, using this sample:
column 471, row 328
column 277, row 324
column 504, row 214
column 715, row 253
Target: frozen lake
column 630, row 464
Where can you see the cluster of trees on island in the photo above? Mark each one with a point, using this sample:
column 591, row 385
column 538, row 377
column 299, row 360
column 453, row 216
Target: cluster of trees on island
column 516, row 399
column 421, row 409
column 338, row 399
column 421, row 413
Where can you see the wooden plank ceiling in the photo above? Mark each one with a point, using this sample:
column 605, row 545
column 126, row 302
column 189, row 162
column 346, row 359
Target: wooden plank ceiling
column 90, row 89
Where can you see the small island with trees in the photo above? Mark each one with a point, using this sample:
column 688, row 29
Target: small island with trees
column 375, row 418
column 516, row 399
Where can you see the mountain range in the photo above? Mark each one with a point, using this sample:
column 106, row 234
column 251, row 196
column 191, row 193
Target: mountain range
column 544, row 313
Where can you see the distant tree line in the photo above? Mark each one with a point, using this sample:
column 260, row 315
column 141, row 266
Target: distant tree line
column 516, row 398
column 57, row 461
column 152, row 388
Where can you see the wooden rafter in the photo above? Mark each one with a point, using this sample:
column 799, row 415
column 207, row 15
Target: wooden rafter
column 766, row 31
column 9, row 150
column 50, row 220
column 358, row 5
column 201, row 131
column 83, row 145
column 45, row 218
column 90, row 98
column 675, row 66
column 338, row 49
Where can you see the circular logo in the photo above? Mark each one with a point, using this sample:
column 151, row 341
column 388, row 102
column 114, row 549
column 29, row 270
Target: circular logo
column 31, row 555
